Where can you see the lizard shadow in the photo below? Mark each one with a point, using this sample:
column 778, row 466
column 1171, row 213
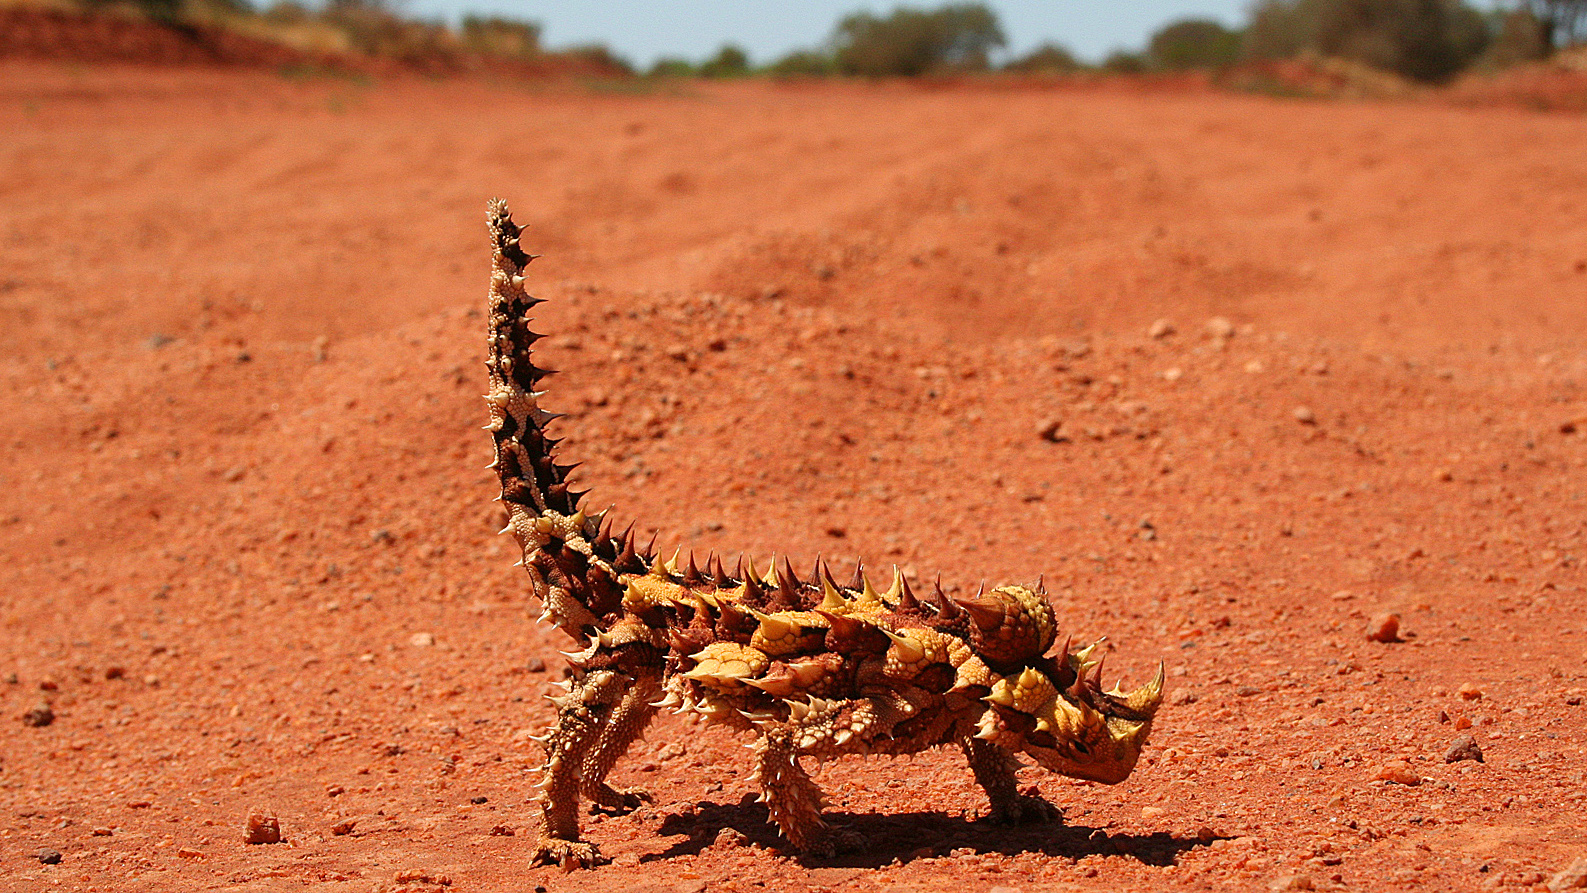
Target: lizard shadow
column 903, row 837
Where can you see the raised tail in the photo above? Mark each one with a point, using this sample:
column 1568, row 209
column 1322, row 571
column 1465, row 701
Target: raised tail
column 573, row 560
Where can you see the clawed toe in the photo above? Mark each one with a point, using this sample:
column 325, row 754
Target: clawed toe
column 1027, row 809
column 569, row 854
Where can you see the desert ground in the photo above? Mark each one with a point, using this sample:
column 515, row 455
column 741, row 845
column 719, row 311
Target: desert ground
column 1235, row 375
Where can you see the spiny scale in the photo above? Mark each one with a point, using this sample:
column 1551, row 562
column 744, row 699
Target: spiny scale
column 809, row 668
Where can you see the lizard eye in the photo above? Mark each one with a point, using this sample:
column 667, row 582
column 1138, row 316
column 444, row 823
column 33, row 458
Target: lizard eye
column 1080, row 747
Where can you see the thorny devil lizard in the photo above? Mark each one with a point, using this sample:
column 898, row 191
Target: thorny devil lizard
column 811, row 668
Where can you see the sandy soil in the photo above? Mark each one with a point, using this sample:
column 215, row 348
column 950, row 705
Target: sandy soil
column 248, row 538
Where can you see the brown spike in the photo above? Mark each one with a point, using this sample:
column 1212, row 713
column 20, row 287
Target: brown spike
column 906, row 598
column 788, row 588
column 650, row 549
column 818, row 571
column 858, row 582
column 1041, row 585
column 1095, row 682
column 946, row 608
column 718, row 574
column 786, row 575
column 826, row 574
column 691, row 573
column 987, row 613
column 754, row 594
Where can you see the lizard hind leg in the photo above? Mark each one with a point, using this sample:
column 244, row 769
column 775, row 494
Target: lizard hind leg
column 582, row 716
column 994, row 769
column 626, row 723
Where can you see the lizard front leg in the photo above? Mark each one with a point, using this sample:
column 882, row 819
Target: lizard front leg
column 994, row 769
column 625, row 724
column 582, row 715
column 822, row 729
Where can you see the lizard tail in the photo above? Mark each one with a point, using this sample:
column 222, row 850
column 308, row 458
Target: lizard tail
column 573, row 558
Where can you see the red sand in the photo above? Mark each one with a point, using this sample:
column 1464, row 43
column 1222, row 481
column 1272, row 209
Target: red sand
column 248, row 528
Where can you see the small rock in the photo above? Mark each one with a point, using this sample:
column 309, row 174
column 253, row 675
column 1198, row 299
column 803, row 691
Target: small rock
column 730, row 837
column 1398, row 772
column 1384, row 627
column 188, row 852
column 1462, row 723
column 502, row 831
column 344, row 827
column 1305, row 416
column 1293, row 882
column 1464, row 748
column 115, row 672
column 420, row 876
column 262, row 828
column 535, row 665
column 48, row 856
column 1220, row 327
column 421, row 640
column 1572, row 878
column 39, row 716
column 1152, row 812
column 1470, row 692
column 1052, row 430
column 1162, row 328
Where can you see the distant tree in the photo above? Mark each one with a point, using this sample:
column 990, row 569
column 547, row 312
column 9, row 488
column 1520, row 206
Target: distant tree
column 1560, row 22
column 500, row 36
column 729, row 62
column 1045, row 59
column 804, row 63
column 1124, row 62
column 1518, row 37
column 670, row 67
column 1429, row 40
column 910, row 42
column 1194, row 43
column 599, row 55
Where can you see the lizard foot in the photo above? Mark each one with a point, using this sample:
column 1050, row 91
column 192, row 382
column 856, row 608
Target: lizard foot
column 1026, row 809
column 613, row 800
column 569, row 854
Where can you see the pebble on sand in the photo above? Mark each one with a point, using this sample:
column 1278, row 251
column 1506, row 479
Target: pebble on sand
column 39, row 716
column 1305, row 416
column 1470, row 692
column 1464, row 748
column 262, row 828
column 1162, row 328
column 1384, row 627
column 1398, row 772
column 48, row 856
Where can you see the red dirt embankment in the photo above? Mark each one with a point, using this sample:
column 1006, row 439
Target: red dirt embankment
column 249, row 538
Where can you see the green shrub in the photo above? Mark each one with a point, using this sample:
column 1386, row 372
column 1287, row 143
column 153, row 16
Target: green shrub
column 804, row 63
column 910, row 42
column 1049, row 58
column 670, row 67
column 1428, row 40
column 1124, row 62
column 499, row 36
column 1194, row 43
column 729, row 62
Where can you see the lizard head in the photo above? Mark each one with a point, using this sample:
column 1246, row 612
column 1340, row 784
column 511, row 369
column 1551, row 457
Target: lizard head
column 1079, row 731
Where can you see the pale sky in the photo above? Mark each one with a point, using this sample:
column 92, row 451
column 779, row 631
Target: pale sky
column 643, row 30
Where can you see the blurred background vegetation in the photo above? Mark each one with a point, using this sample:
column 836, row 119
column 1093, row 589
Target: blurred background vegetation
column 1425, row 41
